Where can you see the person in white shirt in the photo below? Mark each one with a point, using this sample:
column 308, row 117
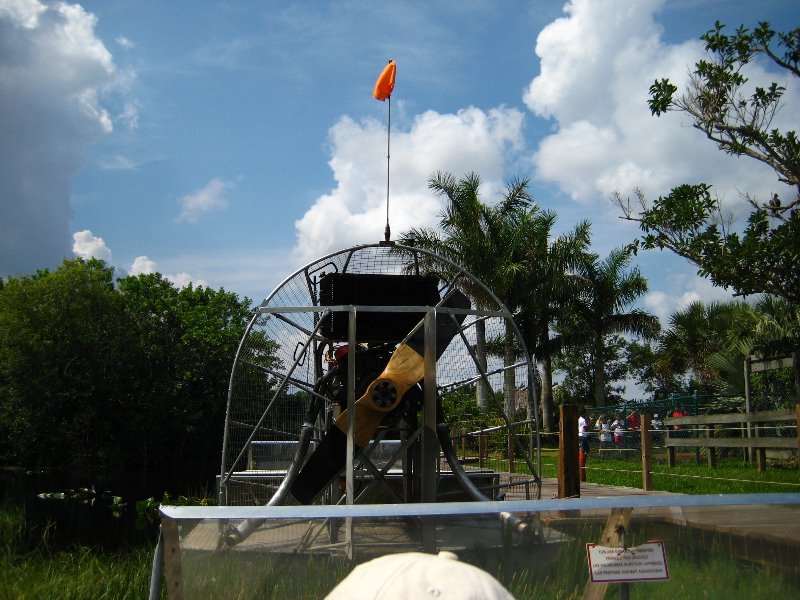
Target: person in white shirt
column 606, row 437
column 618, row 427
column 583, row 441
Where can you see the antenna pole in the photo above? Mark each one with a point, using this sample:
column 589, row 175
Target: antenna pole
column 387, row 233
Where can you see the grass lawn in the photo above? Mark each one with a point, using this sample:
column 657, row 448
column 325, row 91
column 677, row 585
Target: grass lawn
column 31, row 570
column 731, row 476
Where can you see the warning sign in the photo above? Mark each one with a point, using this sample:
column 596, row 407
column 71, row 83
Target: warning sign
column 647, row 562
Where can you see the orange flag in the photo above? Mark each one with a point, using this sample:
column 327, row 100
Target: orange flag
column 385, row 84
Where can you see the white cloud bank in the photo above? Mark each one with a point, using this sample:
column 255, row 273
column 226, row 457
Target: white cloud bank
column 355, row 211
column 597, row 64
column 53, row 74
column 142, row 265
column 86, row 245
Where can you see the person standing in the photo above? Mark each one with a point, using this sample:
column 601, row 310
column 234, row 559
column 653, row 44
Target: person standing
column 657, row 426
column 618, row 427
column 606, row 438
column 583, row 441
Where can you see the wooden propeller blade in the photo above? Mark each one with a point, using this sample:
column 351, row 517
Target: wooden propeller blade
column 403, row 371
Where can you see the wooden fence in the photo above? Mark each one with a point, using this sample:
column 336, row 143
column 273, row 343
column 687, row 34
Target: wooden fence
column 698, row 431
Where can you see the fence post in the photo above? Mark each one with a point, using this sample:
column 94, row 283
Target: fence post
column 463, row 443
column 761, row 453
column 712, row 452
column 797, row 408
column 670, row 449
column 748, row 402
column 647, row 452
column 569, row 483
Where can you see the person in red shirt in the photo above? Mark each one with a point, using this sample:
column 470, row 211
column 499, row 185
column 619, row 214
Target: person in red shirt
column 633, row 421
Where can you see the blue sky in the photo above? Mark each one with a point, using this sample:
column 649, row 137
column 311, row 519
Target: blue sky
column 229, row 143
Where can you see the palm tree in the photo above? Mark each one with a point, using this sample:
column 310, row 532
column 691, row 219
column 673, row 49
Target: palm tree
column 548, row 288
column 778, row 332
column 484, row 240
column 770, row 328
column 708, row 341
column 608, row 291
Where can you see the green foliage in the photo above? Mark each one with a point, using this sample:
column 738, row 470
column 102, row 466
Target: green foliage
column 765, row 256
column 689, row 222
column 459, row 407
column 645, row 367
column 601, row 310
column 147, row 510
column 577, row 363
column 32, row 570
column 60, row 364
column 102, row 379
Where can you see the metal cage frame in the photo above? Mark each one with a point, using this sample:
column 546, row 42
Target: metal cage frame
column 303, row 317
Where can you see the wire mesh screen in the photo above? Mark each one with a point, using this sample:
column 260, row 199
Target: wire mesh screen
column 292, row 376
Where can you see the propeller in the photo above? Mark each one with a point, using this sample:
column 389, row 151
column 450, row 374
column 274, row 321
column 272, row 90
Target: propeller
column 406, row 368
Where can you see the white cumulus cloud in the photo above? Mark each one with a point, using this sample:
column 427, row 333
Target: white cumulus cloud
column 682, row 291
column 86, row 245
column 597, row 64
column 354, row 212
column 23, row 13
column 142, row 265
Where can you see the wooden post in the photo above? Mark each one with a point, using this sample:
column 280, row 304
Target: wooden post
column 172, row 558
column 670, row 449
column 712, row 452
column 761, row 453
column 797, row 418
column 569, row 484
column 647, row 452
column 616, row 527
column 796, row 369
column 748, row 401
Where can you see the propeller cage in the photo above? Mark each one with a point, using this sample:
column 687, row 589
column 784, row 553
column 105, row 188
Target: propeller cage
column 287, row 386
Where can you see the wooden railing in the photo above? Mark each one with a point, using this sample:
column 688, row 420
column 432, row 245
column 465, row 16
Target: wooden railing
column 698, row 432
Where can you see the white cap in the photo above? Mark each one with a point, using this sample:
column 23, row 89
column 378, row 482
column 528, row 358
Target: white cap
column 419, row 576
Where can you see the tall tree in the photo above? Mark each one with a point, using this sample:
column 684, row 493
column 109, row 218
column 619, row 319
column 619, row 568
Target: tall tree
column 184, row 341
column 98, row 379
column 647, row 368
column 550, row 286
column 485, row 240
column 577, row 363
column 60, row 367
column 769, row 328
column 738, row 118
column 603, row 308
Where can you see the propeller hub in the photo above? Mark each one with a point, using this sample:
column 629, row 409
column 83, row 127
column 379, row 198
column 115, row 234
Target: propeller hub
column 384, row 394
